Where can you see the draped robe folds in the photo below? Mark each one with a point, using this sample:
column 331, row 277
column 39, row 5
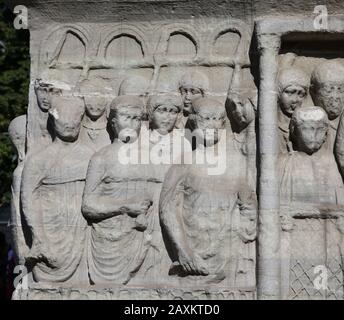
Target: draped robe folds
column 310, row 185
column 310, row 179
column 206, row 210
column 285, row 144
column 17, row 224
column 52, row 187
column 339, row 145
column 331, row 136
column 181, row 122
column 156, row 266
column 117, row 248
column 95, row 135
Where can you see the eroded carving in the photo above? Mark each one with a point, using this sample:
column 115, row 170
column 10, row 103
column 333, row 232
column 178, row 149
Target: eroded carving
column 18, row 225
column 192, row 85
column 95, row 224
column 195, row 205
column 45, row 90
column 166, row 146
column 51, row 192
column 293, row 89
column 116, row 201
column 311, row 200
column 327, row 92
column 94, row 131
column 134, row 86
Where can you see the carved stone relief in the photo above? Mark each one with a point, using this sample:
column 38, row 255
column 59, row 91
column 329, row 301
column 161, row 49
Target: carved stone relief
column 53, row 180
column 301, row 203
column 18, row 225
column 159, row 160
column 210, row 223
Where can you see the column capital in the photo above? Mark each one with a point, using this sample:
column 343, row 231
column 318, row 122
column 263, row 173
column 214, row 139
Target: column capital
column 271, row 42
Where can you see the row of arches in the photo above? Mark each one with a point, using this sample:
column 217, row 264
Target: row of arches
column 129, row 44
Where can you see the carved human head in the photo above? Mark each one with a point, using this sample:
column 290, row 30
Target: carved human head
column 45, row 90
column 192, row 85
column 308, row 129
column 163, row 111
column 134, row 86
column 17, row 134
column 96, row 98
column 241, row 110
column 327, row 87
column 208, row 119
column 95, row 106
column 66, row 113
column 293, row 88
column 126, row 114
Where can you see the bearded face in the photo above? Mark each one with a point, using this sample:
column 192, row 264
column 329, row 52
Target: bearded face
column 329, row 96
column 127, row 123
column 209, row 123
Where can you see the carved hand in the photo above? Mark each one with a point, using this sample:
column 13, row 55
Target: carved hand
column 40, row 252
column 137, row 209
column 192, row 263
column 248, row 230
column 141, row 223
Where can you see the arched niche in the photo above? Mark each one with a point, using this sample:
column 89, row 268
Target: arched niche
column 72, row 49
column 226, row 43
column 65, row 45
column 181, row 44
column 124, row 48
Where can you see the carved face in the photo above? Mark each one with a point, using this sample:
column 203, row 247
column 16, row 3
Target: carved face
column 242, row 112
column 18, row 140
column 67, row 125
column 189, row 94
column 95, row 107
column 67, row 113
column 310, row 136
column 17, row 135
column 208, row 121
column 330, row 97
column 164, row 118
column 291, row 98
column 44, row 96
column 127, row 123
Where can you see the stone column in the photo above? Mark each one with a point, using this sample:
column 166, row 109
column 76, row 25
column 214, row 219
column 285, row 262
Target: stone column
column 268, row 220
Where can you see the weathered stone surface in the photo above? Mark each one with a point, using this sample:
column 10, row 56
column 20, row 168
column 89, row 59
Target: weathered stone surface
column 181, row 149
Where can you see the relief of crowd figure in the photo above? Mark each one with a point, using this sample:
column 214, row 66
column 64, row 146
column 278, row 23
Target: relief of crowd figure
column 93, row 219
column 311, row 194
column 94, row 131
column 241, row 107
column 116, row 201
column 293, row 88
column 45, row 90
column 311, row 186
column 322, row 183
column 192, row 85
column 167, row 145
column 327, row 91
column 53, row 180
column 325, row 86
column 18, row 225
column 209, row 220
